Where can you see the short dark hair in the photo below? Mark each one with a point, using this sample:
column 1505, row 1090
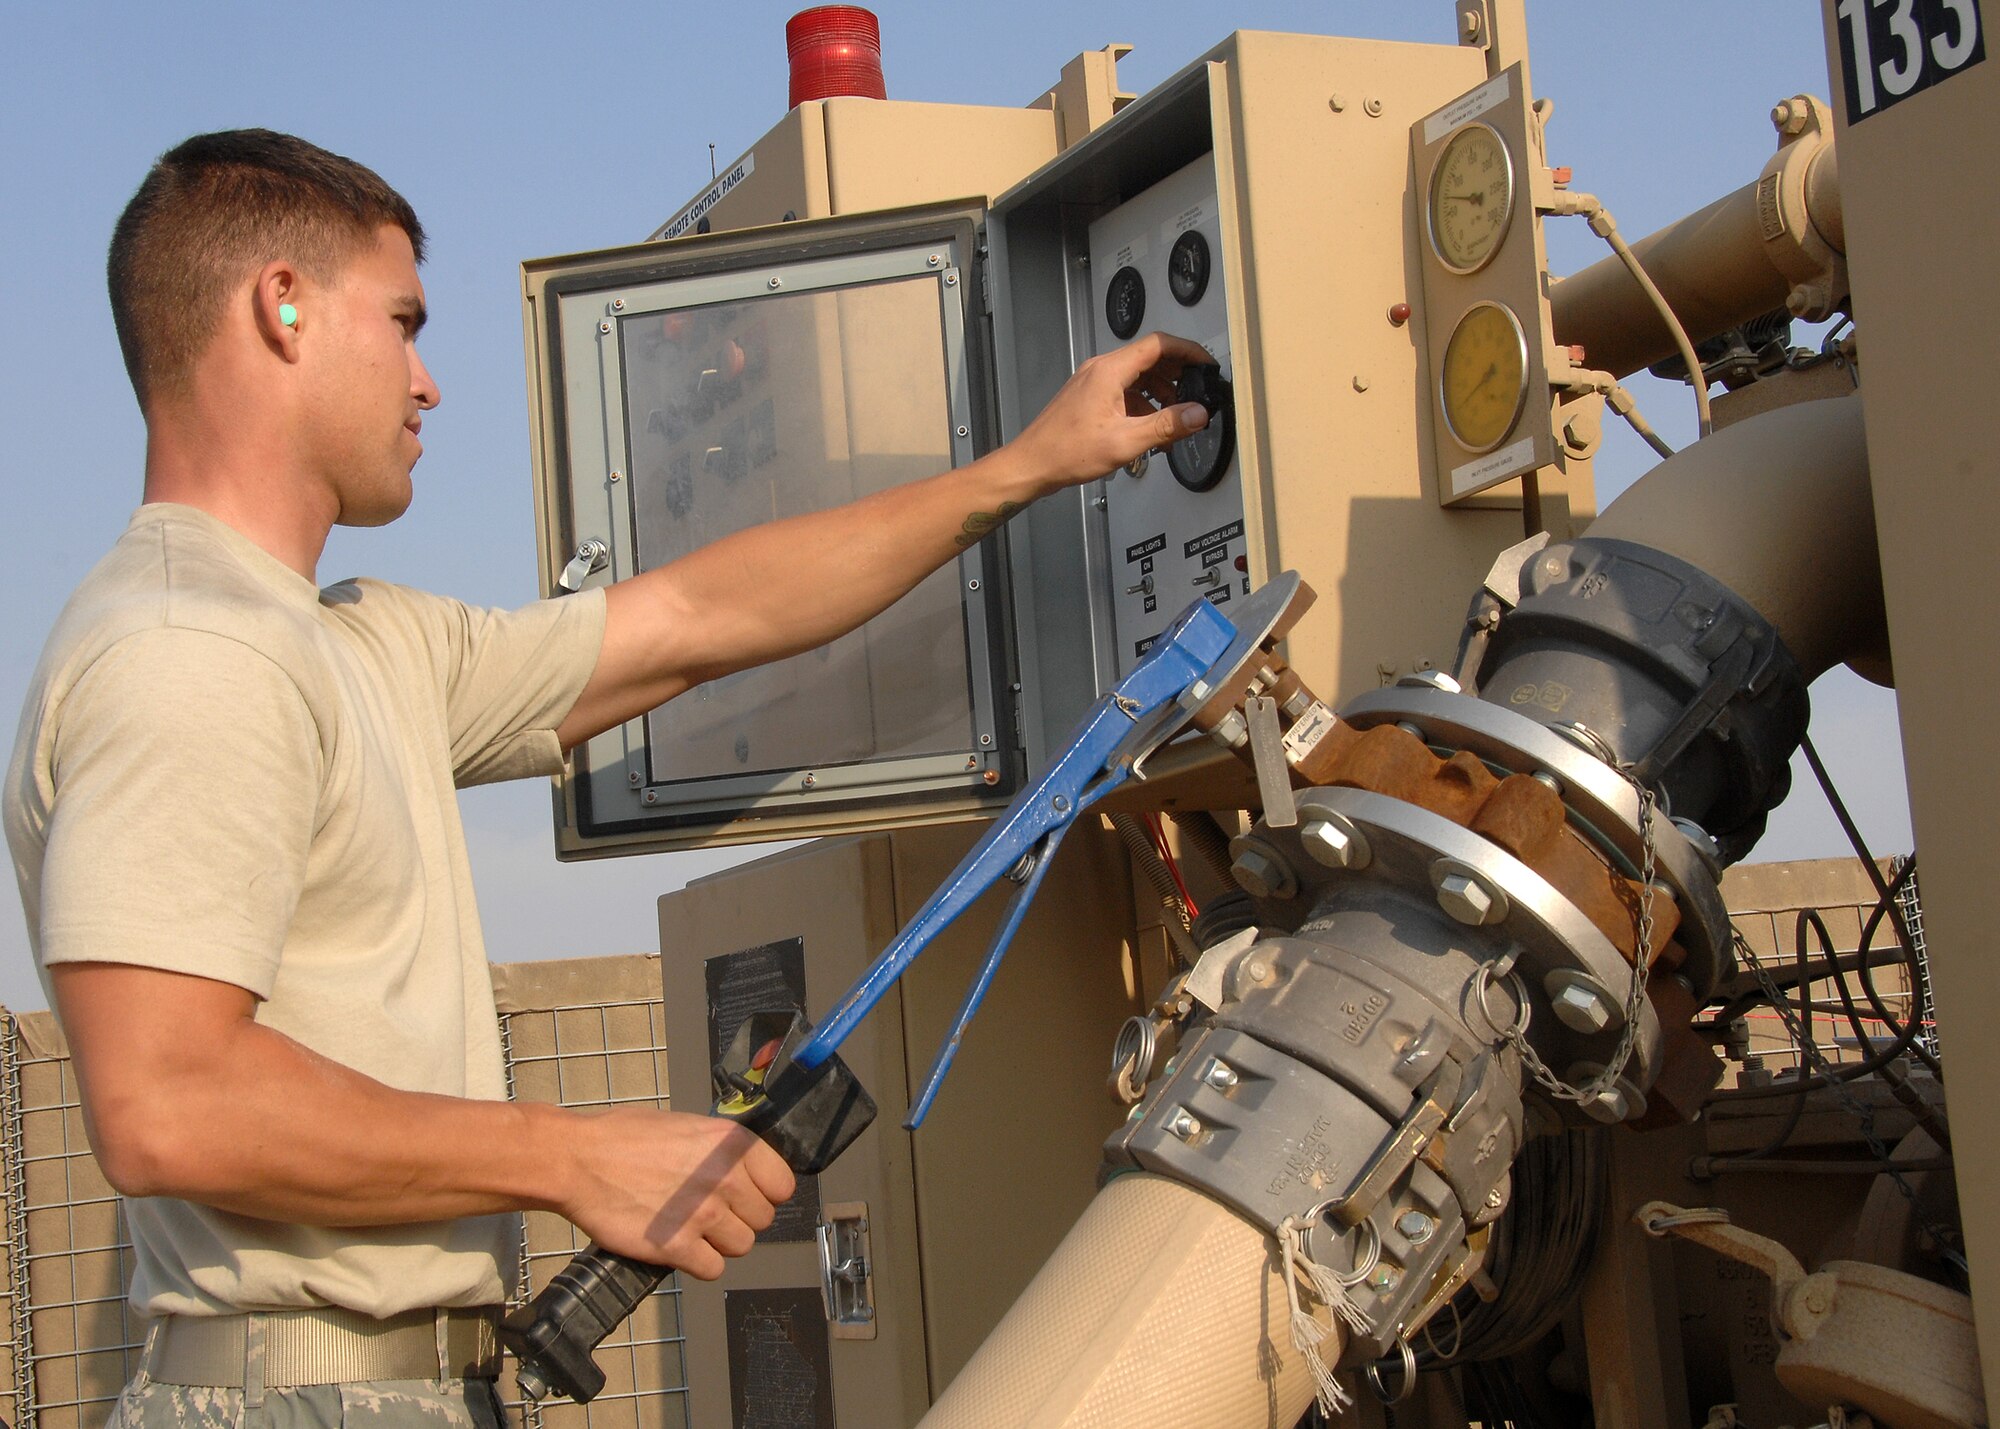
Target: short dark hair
column 214, row 208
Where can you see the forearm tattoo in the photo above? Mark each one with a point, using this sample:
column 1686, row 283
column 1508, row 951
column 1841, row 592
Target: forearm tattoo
column 980, row 522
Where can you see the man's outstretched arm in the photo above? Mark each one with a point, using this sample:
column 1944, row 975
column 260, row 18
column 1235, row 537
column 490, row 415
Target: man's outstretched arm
column 788, row 586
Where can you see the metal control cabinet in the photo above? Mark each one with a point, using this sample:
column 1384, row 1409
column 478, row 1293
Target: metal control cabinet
column 1309, row 226
column 1317, row 239
column 1175, row 530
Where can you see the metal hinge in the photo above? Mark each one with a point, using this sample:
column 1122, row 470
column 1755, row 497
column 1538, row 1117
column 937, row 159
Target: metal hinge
column 846, row 1270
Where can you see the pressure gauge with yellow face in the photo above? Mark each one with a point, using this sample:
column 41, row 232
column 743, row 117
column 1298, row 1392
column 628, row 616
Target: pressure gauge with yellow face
column 1484, row 380
column 1471, row 198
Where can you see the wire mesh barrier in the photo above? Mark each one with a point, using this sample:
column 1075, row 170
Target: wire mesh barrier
column 1910, row 901
column 590, row 1033
column 587, row 1033
column 73, row 1339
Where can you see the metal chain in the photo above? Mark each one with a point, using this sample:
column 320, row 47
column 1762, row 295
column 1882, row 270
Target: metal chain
column 1635, row 999
column 1814, row 1060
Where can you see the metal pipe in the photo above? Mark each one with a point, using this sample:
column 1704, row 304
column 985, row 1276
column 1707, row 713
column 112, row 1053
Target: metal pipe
column 1737, row 259
column 1823, row 198
column 1778, row 508
column 1161, row 1306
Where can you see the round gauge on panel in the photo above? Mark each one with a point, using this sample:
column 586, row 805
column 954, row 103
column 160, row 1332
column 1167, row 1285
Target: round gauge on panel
column 1125, row 303
column 1484, row 379
column 1471, row 198
column 1199, row 461
column 1187, row 268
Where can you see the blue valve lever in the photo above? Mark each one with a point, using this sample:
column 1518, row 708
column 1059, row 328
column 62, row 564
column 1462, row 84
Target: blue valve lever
column 800, row 1098
column 1170, row 682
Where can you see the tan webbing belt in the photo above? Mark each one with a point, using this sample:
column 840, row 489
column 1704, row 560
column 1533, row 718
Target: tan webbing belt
column 287, row 1348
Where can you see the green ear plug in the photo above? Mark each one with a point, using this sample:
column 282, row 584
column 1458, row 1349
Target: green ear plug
column 288, row 315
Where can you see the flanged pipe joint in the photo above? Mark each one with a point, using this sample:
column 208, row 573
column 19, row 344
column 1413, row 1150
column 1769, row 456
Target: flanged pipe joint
column 1471, row 908
column 1681, row 680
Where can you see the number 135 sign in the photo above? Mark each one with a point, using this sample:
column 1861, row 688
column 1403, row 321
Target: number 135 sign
column 1891, row 49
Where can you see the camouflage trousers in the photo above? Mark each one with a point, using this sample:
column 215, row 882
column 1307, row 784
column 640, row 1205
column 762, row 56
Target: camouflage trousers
column 375, row 1404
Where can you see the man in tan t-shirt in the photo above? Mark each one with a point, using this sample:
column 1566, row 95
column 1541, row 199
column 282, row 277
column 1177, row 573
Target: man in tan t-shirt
column 232, row 816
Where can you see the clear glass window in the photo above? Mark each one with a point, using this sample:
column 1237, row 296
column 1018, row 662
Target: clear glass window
column 753, row 410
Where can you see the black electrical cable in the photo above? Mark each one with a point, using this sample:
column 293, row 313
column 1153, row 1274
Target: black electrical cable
column 1847, row 1007
column 1807, row 918
column 1704, row 1166
column 1536, row 1256
column 1495, row 1397
column 1916, row 979
column 1867, row 1067
column 1755, row 996
column 1886, row 901
column 1896, row 1024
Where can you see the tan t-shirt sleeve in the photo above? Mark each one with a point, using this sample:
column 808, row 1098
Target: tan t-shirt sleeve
column 186, row 773
column 510, row 677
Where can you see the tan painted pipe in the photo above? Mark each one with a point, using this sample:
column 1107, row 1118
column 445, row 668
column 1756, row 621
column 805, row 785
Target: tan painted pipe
column 1778, row 508
column 1160, row 1308
column 1716, row 268
column 1163, row 1307
column 1823, row 198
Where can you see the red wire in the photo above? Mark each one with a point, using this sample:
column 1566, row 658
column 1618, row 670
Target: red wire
column 1865, row 1017
column 1173, row 868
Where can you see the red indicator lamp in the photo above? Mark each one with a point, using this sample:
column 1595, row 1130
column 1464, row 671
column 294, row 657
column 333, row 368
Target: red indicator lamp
column 835, row 50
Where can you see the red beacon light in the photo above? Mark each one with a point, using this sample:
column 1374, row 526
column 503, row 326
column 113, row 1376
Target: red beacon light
column 835, row 50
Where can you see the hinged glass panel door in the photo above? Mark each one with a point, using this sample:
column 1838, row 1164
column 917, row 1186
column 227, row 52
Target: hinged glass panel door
column 696, row 389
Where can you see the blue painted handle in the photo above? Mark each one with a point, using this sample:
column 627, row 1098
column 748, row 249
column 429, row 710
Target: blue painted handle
column 1177, row 660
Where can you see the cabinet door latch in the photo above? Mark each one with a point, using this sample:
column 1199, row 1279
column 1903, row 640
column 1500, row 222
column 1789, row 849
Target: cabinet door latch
column 592, row 555
column 846, row 1270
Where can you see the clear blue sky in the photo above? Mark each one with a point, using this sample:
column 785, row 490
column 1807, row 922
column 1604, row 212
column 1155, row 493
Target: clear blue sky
column 523, row 130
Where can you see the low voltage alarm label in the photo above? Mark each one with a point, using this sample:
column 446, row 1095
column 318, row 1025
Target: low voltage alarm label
column 1209, row 540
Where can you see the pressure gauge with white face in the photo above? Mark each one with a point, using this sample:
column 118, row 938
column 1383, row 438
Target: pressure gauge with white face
column 1484, row 384
column 1471, row 198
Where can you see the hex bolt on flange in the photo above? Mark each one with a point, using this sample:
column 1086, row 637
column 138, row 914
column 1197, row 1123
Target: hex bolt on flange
column 1261, row 870
column 1184, row 1124
column 1619, row 1102
column 1384, row 1277
column 1335, row 842
column 1580, row 1002
column 1220, row 1075
column 1466, row 895
column 1414, row 1226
